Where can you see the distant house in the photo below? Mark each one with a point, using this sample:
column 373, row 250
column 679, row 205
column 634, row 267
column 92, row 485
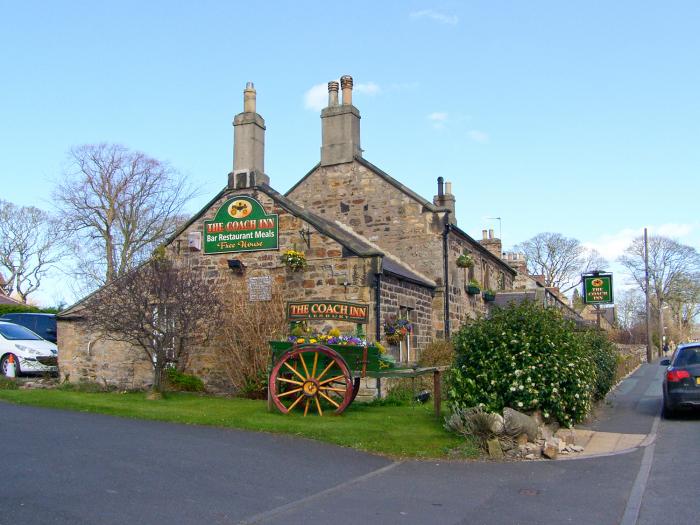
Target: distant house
column 4, row 298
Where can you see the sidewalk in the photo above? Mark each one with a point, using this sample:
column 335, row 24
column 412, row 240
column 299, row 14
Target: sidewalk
column 626, row 417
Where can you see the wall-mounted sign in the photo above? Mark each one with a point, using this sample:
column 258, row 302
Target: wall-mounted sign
column 240, row 225
column 597, row 288
column 353, row 312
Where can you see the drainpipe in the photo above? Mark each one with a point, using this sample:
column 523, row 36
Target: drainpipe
column 377, row 305
column 445, row 233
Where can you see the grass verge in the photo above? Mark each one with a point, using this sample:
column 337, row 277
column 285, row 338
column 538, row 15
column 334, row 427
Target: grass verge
column 396, row 431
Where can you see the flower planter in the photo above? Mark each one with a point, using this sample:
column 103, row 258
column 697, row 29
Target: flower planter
column 488, row 296
column 472, row 290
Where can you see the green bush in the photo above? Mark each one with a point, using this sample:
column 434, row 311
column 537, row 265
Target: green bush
column 12, row 308
column 525, row 357
column 604, row 357
column 184, row 382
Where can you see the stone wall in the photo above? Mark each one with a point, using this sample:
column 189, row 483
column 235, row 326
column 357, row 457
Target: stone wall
column 397, row 296
column 629, row 358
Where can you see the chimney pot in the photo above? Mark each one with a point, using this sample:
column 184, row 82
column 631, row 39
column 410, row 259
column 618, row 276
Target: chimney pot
column 484, row 235
column 440, row 187
column 490, row 234
column 346, row 85
column 333, row 93
column 448, row 188
column 249, row 98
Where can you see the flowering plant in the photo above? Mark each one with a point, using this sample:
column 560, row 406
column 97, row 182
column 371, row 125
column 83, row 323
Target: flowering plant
column 294, row 260
column 465, row 261
column 396, row 329
column 344, row 340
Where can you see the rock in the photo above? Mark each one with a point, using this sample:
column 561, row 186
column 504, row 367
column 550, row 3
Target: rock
column 530, row 456
column 576, row 448
column 516, row 423
column 561, row 446
column 521, row 439
column 550, row 450
column 494, row 446
column 497, row 424
column 532, row 448
column 568, row 436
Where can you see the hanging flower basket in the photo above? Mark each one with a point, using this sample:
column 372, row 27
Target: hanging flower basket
column 473, row 288
column 395, row 330
column 465, row 261
column 294, row 260
column 489, row 295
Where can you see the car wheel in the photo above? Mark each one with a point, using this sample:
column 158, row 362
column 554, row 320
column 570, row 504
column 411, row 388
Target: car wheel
column 668, row 412
column 5, row 362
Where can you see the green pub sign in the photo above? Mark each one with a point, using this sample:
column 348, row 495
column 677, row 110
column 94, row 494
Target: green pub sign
column 598, row 288
column 241, row 225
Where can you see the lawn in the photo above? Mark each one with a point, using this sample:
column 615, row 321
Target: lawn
column 408, row 431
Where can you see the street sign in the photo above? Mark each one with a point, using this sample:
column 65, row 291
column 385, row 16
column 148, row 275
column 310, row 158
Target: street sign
column 597, row 288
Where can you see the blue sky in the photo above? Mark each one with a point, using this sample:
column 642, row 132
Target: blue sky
column 576, row 117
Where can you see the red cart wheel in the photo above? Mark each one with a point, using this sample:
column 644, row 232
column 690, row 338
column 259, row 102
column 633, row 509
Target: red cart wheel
column 311, row 377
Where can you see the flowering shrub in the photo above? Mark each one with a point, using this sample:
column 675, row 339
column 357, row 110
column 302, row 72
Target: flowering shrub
column 396, row 329
column 525, row 357
column 328, row 339
column 465, row 261
column 294, row 260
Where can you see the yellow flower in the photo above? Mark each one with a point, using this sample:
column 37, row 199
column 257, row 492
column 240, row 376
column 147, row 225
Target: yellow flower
column 312, row 340
column 300, row 340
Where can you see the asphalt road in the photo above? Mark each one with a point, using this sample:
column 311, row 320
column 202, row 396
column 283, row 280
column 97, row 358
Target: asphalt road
column 73, row 468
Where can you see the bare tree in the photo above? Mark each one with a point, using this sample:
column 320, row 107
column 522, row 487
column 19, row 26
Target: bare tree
column 29, row 247
column 163, row 310
column 684, row 304
column 559, row 259
column 116, row 206
column 672, row 266
column 629, row 307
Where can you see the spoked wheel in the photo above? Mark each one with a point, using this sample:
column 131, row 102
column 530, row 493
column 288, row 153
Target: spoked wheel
column 311, row 377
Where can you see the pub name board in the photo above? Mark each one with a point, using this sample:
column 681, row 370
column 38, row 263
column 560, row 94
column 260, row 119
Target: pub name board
column 352, row 312
column 241, row 225
column 598, row 289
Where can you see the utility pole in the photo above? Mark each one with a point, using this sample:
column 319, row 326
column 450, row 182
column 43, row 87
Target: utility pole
column 646, row 294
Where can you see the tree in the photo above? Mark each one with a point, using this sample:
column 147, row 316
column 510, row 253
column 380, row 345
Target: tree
column 559, row 259
column 29, row 247
column 164, row 310
column 116, row 206
column 673, row 268
column 629, row 307
column 684, row 304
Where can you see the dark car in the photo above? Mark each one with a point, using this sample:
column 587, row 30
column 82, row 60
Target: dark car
column 42, row 324
column 682, row 380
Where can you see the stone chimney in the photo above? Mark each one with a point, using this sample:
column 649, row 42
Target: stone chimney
column 340, row 126
column 491, row 243
column 516, row 261
column 445, row 199
column 248, row 145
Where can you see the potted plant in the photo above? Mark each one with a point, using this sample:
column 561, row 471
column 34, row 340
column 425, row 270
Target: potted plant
column 295, row 261
column 489, row 295
column 465, row 261
column 396, row 329
column 473, row 287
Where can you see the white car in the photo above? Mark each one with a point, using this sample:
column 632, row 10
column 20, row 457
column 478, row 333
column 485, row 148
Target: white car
column 32, row 354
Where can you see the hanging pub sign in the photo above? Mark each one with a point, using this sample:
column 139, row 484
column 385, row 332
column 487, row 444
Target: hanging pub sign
column 597, row 288
column 241, row 225
column 304, row 310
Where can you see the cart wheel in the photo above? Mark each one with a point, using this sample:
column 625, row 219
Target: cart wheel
column 311, row 377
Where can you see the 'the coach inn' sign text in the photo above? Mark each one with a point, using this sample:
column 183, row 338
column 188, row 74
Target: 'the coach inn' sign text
column 240, row 225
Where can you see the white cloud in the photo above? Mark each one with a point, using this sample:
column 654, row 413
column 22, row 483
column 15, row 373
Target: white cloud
column 478, row 136
column 316, row 98
column 368, row 88
column 438, row 118
column 434, row 15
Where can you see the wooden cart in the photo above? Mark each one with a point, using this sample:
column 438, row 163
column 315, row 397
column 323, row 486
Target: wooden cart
column 325, row 378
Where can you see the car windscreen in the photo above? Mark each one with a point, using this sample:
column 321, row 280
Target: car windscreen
column 688, row 356
column 15, row 332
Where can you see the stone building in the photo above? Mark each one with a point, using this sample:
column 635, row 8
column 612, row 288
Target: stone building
column 367, row 239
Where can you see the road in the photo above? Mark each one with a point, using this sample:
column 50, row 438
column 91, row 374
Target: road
column 74, row 468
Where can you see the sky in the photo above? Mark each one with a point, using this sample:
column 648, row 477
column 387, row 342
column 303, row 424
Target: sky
column 579, row 117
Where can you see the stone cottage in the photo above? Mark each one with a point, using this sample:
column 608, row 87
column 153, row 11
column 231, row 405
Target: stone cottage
column 367, row 239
